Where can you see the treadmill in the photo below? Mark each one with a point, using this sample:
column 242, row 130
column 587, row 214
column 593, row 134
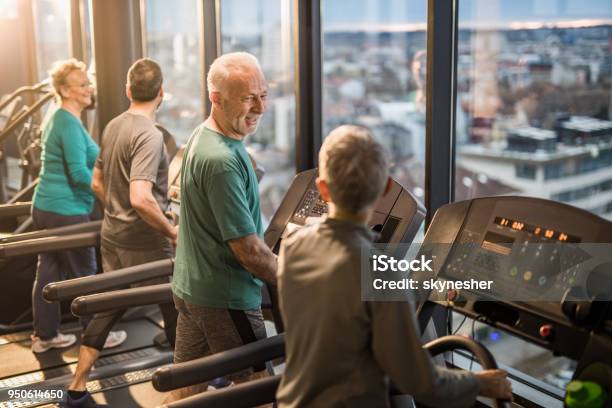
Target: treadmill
column 560, row 303
column 562, row 264
column 16, row 226
column 397, row 218
column 20, row 367
column 18, row 258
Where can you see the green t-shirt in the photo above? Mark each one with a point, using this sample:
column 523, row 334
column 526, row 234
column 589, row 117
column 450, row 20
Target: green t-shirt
column 68, row 157
column 219, row 202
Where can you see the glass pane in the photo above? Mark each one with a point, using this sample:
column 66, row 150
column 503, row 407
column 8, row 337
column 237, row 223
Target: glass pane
column 52, row 28
column 264, row 30
column 86, row 24
column 173, row 41
column 534, row 101
column 519, row 354
column 8, row 9
column 374, row 70
column 533, row 118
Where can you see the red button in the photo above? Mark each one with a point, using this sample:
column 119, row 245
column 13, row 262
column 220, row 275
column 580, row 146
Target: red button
column 546, row 331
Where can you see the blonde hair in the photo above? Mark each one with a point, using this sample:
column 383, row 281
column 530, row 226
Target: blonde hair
column 219, row 70
column 61, row 70
column 354, row 166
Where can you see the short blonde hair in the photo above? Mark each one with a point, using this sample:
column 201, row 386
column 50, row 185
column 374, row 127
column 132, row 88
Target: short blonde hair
column 354, row 166
column 61, row 70
column 220, row 69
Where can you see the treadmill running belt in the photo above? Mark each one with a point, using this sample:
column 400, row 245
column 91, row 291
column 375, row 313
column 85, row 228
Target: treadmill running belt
column 19, row 359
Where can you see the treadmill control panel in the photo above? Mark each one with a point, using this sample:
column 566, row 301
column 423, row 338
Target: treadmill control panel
column 396, row 218
column 526, row 260
column 312, row 205
column 539, row 256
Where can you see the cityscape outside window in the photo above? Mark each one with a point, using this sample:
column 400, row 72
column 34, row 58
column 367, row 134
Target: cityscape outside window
column 52, row 31
column 374, row 71
column 173, row 40
column 533, row 101
column 265, row 30
column 533, row 118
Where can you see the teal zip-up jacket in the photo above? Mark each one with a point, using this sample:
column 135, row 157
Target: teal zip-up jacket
column 68, row 158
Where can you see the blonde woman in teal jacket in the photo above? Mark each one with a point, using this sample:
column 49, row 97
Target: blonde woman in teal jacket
column 63, row 197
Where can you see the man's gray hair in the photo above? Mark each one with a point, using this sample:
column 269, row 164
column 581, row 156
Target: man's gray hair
column 220, row 68
column 355, row 167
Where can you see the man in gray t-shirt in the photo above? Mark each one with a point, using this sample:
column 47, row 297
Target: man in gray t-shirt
column 131, row 180
column 133, row 149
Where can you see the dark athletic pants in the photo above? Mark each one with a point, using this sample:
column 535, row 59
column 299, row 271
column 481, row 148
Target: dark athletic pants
column 114, row 258
column 54, row 267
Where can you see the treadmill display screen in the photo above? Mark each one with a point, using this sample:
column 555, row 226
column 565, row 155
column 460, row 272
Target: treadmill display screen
column 497, row 243
column 536, row 230
column 524, row 260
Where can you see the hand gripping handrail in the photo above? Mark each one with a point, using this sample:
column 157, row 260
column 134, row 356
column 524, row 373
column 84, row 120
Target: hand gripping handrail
column 263, row 391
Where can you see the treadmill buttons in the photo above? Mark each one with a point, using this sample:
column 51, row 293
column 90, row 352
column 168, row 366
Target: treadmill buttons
column 312, row 206
column 546, row 331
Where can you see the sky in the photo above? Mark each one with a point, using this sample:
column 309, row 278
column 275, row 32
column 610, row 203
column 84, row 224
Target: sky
column 343, row 14
column 394, row 11
column 252, row 16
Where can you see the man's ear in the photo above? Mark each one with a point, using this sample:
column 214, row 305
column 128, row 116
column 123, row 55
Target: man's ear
column 160, row 94
column 215, row 98
column 128, row 92
column 323, row 189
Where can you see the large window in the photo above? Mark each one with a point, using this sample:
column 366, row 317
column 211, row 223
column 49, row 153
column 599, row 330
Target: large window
column 534, row 101
column 264, row 29
column 533, row 118
column 172, row 39
column 374, row 69
column 51, row 22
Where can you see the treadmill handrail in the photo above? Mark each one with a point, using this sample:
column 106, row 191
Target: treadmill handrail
column 263, row 391
column 49, row 244
column 16, row 209
column 91, row 226
column 121, row 299
column 37, row 88
column 219, row 364
column 25, row 193
column 69, row 289
column 249, row 394
column 23, row 117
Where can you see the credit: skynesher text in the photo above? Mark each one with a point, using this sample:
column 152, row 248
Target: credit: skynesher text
column 431, row 284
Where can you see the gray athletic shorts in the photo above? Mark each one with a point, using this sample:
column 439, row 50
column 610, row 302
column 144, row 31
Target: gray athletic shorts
column 201, row 331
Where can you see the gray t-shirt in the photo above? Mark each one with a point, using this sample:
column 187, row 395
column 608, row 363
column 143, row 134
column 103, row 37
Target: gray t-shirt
column 132, row 149
column 340, row 349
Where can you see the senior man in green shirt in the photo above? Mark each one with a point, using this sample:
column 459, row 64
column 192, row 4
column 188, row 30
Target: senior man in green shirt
column 221, row 258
